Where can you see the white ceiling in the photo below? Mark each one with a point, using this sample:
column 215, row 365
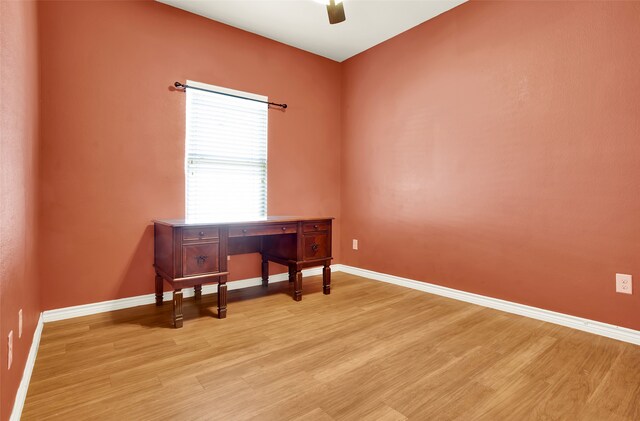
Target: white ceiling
column 304, row 23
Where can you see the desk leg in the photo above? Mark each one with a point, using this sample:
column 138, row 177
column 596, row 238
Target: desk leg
column 297, row 286
column 177, row 308
column 159, row 291
column 222, row 297
column 265, row 271
column 326, row 279
column 292, row 273
column 197, row 292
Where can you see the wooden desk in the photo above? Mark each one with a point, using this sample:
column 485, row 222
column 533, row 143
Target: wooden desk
column 191, row 254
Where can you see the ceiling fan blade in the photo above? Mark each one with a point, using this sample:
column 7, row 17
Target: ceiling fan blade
column 336, row 12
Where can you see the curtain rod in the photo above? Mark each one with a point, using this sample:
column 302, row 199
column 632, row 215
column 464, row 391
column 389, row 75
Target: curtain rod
column 184, row 86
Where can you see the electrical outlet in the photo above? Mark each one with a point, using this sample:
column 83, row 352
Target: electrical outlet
column 228, row 258
column 20, row 324
column 624, row 283
column 10, row 349
column 355, row 244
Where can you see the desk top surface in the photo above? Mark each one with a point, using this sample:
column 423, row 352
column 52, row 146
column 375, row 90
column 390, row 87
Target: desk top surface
column 265, row 220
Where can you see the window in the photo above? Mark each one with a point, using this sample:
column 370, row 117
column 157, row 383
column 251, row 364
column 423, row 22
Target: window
column 226, row 155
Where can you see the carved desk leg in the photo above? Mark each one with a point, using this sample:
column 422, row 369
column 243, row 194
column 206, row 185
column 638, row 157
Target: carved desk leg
column 159, row 290
column 177, row 308
column 297, row 286
column 222, row 297
column 197, row 292
column 326, row 279
column 265, row 271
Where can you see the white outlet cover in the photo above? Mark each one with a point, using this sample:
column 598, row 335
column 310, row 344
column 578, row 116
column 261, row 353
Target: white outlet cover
column 20, row 323
column 10, row 350
column 624, row 284
column 355, row 244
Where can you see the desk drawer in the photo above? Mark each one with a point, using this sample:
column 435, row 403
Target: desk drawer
column 200, row 233
column 316, row 226
column 198, row 259
column 316, row 246
column 270, row 229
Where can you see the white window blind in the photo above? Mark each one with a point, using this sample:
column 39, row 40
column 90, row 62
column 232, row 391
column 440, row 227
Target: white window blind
column 226, row 155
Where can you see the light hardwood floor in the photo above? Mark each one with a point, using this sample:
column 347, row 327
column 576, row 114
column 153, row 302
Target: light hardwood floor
column 369, row 351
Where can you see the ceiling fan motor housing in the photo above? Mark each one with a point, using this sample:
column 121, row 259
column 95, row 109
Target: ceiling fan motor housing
column 336, row 12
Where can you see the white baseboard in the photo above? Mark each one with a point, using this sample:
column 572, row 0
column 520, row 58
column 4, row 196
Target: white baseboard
column 21, row 394
column 119, row 304
column 603, row 329
column 591, row 326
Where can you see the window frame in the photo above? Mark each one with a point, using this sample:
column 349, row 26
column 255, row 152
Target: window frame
column 248, row 96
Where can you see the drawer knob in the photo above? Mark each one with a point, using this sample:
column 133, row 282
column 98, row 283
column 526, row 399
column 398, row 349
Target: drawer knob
column 284, row 228
column 315, row 227
column 314, row 247
column 201, row 233
column 201, row 259
column 244, row 231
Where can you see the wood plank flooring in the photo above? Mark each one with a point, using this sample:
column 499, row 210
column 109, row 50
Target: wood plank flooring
column 369, row 351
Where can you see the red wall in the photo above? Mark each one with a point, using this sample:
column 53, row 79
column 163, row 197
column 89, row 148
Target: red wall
column 496, row 149
column 18, row 193
column 113, row 136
